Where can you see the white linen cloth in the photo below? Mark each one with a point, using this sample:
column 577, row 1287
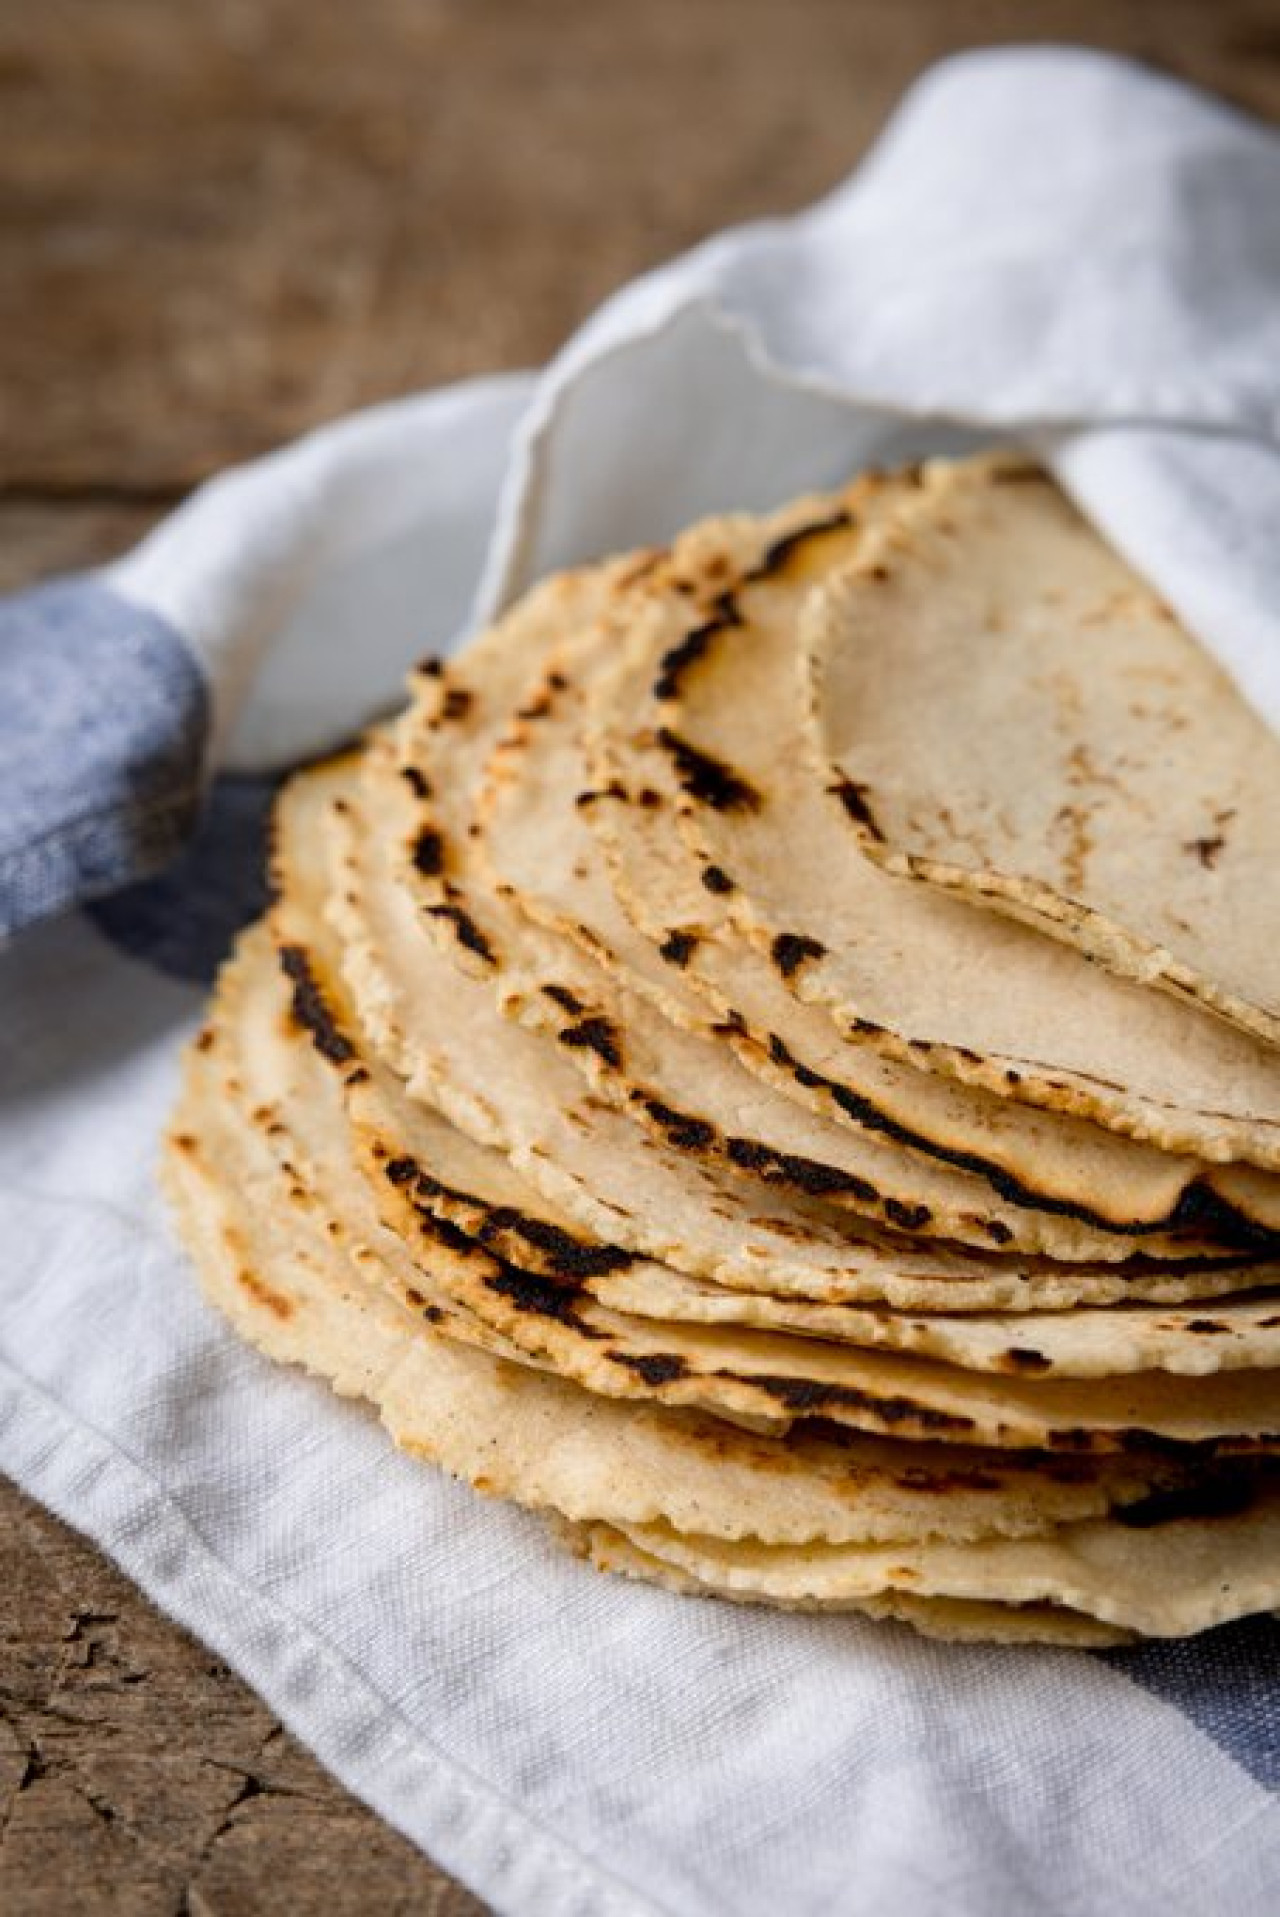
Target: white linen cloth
column 1052, row 246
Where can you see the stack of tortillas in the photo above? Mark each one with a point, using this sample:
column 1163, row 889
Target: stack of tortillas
column 772, row 1062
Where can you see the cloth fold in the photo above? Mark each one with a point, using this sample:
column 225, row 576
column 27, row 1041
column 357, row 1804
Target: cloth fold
column 1048, row 246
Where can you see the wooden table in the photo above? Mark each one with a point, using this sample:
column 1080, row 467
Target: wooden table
column 222, row 224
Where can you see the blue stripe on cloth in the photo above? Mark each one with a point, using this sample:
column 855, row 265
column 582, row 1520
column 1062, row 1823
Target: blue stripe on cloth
column 103, row 720
column 183, row 920
column 1227, row 1682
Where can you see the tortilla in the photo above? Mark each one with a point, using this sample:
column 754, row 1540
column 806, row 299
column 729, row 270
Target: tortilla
column 436, row 1173
column 266, row 1252
column 1027, row 725
column 907, row 968
column 443, row 1175
column 446, row 1175
column 952, row 1620
column 573, row 1158
column 1164, row 1580
column 510, row 1431
column 718, row 978
column 531, row 845
column 1239, row 1333
column 442, row 1033
column 759, row 1377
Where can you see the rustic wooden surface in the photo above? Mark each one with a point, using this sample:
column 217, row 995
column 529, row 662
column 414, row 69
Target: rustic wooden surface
column 222, row 224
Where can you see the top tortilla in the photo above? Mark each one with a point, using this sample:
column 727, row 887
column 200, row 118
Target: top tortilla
column 1028, row 725
column 676, row 942
column 909, row 969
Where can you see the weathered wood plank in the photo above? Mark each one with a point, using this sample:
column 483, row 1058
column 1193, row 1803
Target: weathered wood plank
column 137, row 1775
column 223, row 223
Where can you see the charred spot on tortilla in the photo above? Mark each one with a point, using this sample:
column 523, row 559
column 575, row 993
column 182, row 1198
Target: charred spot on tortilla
column 1222, row 1493
column 790, row 950
column 680, row 658
column 706, row 779
column 733, row 1025
column 569, row 1257
column 595, row 1034
column 447, row 1232
column 677, row 948
column 1199, row 1208
column 806, row 1174
column 614, row 789
column 416, row 780
column 540, row 1298
column 685, row 1133
column 655, row 1368
column 1025, row 1358
column 1206, row 850
column 566, row 999
column 428, row 853
column 309, row 1008
column 808, row 1395
column 777, row 556
column 907, row 1217
column 468, row 932
column 853, row 797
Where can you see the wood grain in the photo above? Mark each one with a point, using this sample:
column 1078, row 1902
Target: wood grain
column 220, row 225
column 225, row 222
column 138, row 1775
